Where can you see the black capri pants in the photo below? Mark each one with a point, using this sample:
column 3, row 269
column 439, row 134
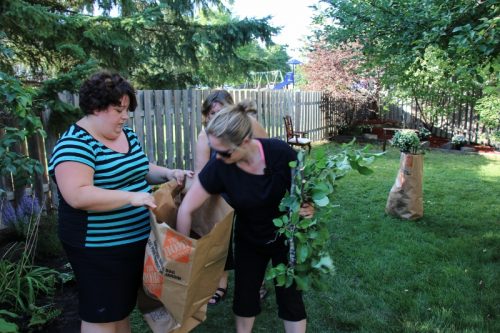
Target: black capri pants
column 108, row 279
column 251, row 261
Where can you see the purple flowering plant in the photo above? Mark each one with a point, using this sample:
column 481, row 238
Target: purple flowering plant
column 8, row 213
column 20, row 217
column 28, row 207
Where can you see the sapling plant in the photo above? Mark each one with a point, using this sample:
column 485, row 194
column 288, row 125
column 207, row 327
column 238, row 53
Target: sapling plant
column 313, row 181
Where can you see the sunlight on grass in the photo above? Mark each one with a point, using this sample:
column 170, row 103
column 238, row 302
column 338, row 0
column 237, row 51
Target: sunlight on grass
column 438, row 274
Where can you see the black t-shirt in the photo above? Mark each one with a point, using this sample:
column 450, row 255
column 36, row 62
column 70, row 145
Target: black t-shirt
column 255, row 198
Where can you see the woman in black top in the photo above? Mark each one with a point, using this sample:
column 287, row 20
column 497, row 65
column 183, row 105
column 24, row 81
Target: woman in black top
column 216, row 101
column 255, row 175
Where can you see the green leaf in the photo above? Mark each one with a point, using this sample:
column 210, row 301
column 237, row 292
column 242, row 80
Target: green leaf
column 318, row 194
column 280, row 280
column 304, row 224
column 302, row 253
column 325, row 264
column 8, row 313
column 289, row 280
column 364, row 170
column 322, row 202
column 302, row 282
column 8, row 327
column 278, row 222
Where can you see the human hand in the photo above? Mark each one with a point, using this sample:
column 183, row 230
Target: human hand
column 142, row 199
column 307, row 210
column 180, row 175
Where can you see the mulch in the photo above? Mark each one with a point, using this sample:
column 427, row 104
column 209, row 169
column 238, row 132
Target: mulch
column 437, row 142
column 64, row 299
column 68, row 321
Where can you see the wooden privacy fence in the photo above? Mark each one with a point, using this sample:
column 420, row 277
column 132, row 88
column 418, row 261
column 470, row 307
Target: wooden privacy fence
column 167, row 123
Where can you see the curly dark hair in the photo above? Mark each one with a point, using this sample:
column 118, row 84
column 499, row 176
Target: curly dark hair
column 104, row 89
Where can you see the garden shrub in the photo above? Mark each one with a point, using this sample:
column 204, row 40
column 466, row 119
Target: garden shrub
column 406, row 141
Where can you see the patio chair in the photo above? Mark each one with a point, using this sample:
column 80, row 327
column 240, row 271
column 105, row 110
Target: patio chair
column 296, row 138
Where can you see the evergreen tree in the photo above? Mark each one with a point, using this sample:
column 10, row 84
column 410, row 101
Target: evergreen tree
column 50, row 46
column 157, row 44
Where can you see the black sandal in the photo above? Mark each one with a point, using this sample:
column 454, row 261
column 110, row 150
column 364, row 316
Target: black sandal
column 217, row 297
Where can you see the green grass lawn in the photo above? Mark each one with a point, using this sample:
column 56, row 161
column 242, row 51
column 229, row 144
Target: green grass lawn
column 438, row 274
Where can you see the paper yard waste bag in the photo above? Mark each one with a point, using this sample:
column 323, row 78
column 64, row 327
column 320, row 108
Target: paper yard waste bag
column 405, row 198
column 168, row 199
column 181, row 272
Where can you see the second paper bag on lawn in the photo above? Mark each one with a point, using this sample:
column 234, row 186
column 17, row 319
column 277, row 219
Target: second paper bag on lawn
column 182, row 272
column 406, row 196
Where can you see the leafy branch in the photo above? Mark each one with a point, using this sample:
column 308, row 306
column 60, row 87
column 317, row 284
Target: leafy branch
column 313, row 180
column 17, row 123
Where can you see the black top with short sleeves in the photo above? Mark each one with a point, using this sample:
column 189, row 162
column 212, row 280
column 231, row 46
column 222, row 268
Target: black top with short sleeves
column 255, row 198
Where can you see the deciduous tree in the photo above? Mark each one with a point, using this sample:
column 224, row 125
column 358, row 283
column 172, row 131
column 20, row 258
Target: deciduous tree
column 421, row 45
column 338, row 70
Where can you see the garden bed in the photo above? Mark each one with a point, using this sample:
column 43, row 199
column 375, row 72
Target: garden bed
column 65, row 299
column 434, row 141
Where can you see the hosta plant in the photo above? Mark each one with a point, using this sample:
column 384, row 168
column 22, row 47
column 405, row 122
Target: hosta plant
column 313, row 180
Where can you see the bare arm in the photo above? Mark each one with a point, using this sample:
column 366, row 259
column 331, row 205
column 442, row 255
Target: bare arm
column 158, row 174
column 202, row 152
column 193, row 200
column 75, row 182
column 258, row 130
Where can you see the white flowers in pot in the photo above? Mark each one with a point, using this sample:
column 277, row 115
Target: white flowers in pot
column 458, row 140
column 407, row 141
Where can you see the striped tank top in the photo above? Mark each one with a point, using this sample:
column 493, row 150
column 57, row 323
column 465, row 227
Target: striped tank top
column 112, row 171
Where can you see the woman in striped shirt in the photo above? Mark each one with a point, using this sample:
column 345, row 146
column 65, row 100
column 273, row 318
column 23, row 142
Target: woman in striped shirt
column 103, row 178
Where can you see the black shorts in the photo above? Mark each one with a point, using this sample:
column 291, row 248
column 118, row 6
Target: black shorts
column 108, row 280
column 229, row 265
column 251, row 261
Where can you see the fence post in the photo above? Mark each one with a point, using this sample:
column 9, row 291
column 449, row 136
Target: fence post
column 178, row 129
column 149, row 146
column 159, row 112
column 169, row 135
column 297, row 111
column 186, row 129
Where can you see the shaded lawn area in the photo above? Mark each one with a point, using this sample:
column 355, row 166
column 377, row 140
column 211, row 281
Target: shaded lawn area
column 438, row 274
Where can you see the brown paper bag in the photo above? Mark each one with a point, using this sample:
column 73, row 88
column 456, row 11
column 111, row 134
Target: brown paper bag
column 155, row 314
column 405, row 198
column 168, row 198
column 181, row 272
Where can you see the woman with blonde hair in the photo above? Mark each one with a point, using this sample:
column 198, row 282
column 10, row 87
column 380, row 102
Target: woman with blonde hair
column 214, row 102
column 254, row 174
